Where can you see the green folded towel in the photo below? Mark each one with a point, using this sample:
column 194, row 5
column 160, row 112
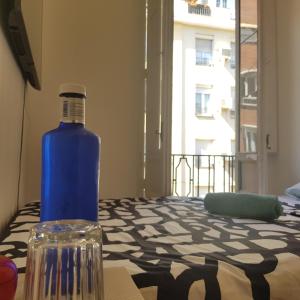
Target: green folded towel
column 252, row 206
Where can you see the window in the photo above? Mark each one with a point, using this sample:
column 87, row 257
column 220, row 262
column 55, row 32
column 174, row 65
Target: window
column 232, row 144
column 222, row 3
column 248, row 60
column 202, row 102
column 232, row 55
column 248, row 35
column 203, row 52
column 226, row 52
column 202, row 148
column 249, row 88
column 249, row 138
column 232, row 91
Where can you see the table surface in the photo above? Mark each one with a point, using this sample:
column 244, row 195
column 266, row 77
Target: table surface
column 118, row 285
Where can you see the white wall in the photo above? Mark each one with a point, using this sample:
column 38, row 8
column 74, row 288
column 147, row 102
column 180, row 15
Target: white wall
column 11, row 107
column 284, row 167
column 99, row 44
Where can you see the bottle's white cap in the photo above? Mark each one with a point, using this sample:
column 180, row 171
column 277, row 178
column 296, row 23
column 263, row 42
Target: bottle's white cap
column 72, row 88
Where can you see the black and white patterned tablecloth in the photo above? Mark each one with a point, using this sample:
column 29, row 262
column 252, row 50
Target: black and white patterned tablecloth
column 174, row 249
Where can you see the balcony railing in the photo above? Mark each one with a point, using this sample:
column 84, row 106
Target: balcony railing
column 199, row 9
column 196, row 175
column 249, row 101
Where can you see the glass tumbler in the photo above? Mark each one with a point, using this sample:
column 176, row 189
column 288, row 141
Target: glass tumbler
column 64, row 261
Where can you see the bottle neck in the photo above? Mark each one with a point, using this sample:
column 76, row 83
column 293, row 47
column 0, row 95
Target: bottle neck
column 73, row 110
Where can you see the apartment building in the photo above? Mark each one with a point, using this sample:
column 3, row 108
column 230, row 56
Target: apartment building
column 248, row 77
column 203, row 95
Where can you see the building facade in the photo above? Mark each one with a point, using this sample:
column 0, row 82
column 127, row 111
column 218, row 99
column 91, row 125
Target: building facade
column 203, row 119
column 248, row 77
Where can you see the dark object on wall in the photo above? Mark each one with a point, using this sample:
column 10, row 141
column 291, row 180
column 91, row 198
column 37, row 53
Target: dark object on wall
column 25, row 29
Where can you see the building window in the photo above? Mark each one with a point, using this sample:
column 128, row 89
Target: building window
column 203, row 149
column 249, row 134
column 203, row 99
column 232, row 92
column 232, row 114
column 248, row 35
column 232, row 55
column 203, row 52
column 232, row 144
column 233, row 104
column 249, row 88
column 222, row 3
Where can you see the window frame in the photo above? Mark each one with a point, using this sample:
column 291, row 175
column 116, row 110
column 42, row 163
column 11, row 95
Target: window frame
column 232, row 55
column 210, row 60
column 249, row 131
column 204, row 92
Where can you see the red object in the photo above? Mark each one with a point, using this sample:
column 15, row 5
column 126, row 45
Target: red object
column 8, row 278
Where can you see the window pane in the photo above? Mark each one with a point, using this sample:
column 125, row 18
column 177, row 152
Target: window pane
column 198, row 103
column 232, row 90
column 249, row 138
column 248, row 35
column 206, row 103
column 232, row 55
column 248, row 76
column 202, row 102
column 232, row 147
column 203, row 51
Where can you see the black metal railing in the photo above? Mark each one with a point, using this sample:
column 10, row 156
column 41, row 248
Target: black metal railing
column 196, row 175
column 199, row 9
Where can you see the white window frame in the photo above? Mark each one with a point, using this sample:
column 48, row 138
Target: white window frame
column 220, row 3
column 208, row 110
column 249, row 134
column 210, row 60
column 232, row 55
column 267, row 28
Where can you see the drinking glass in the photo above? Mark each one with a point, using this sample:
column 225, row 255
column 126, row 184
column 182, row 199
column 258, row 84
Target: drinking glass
column 64, row 261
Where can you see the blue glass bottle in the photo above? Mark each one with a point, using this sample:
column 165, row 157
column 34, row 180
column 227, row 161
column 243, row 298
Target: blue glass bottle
column 70, row 163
